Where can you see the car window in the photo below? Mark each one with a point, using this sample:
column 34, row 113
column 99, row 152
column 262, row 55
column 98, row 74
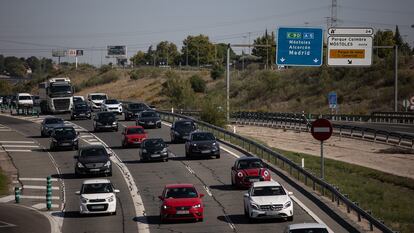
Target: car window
column 202, row 137
column 154, row 143
column 247, row 164
column 53, row 121
column 64, row 132
column 25, row 97
column 185, row 125
column 111, row 102
column 99, row 151
column 96, row 188
column 148, row 114
column 81, row 106
column 310, row 230
column 137, row 106
column 135, row 131
column 188, row 192
column 268, row 191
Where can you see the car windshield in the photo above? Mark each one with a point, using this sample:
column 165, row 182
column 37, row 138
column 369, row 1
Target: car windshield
column 25, row 97
column 66, row 88
column 98, row 97
column 154, row 143
column 268, row 191
column 69, row 132
column 107, row 115
column 187, row 192
column 97, row 151
column 185, row 126
column 81, row 107
column 203, row 137
column 148, row 114
column 53, row 121
column 111, row 102
column 137, row 106
column 77, row 99
column 96, row 188
column 247, row 164
column 135, row 131
column 310, row 230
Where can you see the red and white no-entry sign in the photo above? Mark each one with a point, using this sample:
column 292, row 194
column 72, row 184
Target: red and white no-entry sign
column 321, row 129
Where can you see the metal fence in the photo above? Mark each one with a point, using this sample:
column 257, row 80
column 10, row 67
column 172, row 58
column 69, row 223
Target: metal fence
column 281, row 161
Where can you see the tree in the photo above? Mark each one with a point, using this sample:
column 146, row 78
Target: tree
column 268, row 54
column 178, row 90
column 198, row 49
column 217, row 71
column 138, row 59
column 34, row 63
column 5, row 87
column 15, row 66
column 167, row 53
column 384, row 38
column 220, row 53
column 198, row 84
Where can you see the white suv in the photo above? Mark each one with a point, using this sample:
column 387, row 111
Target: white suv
column 24, row 100
column 306, row 228
column 95, row 100
column 111, row 105
column 268, row 199
column 97, row 196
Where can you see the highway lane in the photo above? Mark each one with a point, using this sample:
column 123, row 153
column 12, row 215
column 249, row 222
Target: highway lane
column 73, row 222
column 18, row 219
column 224, row 209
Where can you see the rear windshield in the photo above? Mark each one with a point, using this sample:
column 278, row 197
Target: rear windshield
column 189, row 192
column 203, row 137
column 100, row 151
column 246, row 164
column 149, row 114
column 53, row 121
column 25, row 97
column 268, row 191
column 111, row 102
column 135, row 131
column 96, row 188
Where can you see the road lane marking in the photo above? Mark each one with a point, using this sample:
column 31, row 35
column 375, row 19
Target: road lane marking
column 38, row 187
column 208, row 190
column 6, row 224
column 8, row 150
column 18, row 142
column 19, row 146
column 86, row 136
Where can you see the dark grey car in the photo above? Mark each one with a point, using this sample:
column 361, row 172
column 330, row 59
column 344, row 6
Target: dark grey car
column 48, row 124
column 64, row 137
column 181, row 129
column 202, row 144
column 153, row 149
column 93, row 160
column 149, row 119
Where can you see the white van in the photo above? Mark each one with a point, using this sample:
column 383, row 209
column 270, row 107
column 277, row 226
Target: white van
column 24, row 100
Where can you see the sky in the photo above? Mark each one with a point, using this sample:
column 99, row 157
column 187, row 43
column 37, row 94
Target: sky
column 35, row 27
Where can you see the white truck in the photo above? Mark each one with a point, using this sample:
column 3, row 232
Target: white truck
column 56, row 95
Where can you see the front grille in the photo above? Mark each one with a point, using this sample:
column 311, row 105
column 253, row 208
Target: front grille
column 61, row 104
column 271, row 207
column 97, row 207
column 97, row 200
column 94, row 165
column 182, row 207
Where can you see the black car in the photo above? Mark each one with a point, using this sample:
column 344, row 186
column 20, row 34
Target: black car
column 105, row 120
column 49, row 123
column 153, row 149
column 80, row 110
column 64, row 137
column 149, row 119
column 202, row 144
column 93, row 160
column 181, row 129
column 131, row 110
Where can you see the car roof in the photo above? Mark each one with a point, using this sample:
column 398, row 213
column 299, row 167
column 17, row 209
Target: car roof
column 64, row 126
column 171, row 186
column 97, row 93
column 265, row 183
column 96, row 181
column 306, row 226
column 248, row 158
column 184, row 120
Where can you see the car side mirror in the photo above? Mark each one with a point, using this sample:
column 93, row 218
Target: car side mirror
column 290, row 193
column 161, row 198
column 246, row 195
column 116, row 191
column 77, row 192
column 201, row 195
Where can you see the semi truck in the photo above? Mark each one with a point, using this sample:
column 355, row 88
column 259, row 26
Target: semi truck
column 56, row 95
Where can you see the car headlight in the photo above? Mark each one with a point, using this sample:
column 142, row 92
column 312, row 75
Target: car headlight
column 107, row 164
column 266, row 173
column 158, row 121
column 164, row 150
column 240, row 174
column 194, row 144
column 165, row 207
column 141, row 122
column 98, row 123
column 80, row 165
column 288, row 204
column 54, row 140
column 84, row 200
column 111, row 198
column 114, row 123
column 76, row 139
column 144, row 151
column 214, row 144
column 197, row 206
column 254, row 206
column 176, row 133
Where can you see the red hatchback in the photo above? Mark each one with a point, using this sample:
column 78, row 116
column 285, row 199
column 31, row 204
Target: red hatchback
column 247, row 170
column 181, row 202
column 133, row 135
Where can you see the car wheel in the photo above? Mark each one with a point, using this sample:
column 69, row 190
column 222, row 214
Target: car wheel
column 42, row 134
column 201, row 219
column 166, row 160
column 113, row 213
column 217, row 156
column 290, row 218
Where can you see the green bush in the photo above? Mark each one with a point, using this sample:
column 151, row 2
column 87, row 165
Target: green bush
column 178, row 90
column 198, row 84
column 217, row 71
column 104, row 69
column 135, row 75
column 212, row 112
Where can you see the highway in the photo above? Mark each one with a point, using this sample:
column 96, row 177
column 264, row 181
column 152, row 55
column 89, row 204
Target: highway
column 223, row 204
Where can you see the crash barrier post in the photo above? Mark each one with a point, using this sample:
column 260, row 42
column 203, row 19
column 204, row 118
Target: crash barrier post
column 48, row 193
column 17, row 194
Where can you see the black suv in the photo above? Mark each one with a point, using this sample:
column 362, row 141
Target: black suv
column 80, row 110
column 149, row 119
column 202, row 144
column 131, row 110
column 153, row 149
column 64, row 137
column 93, row 160
column 181, row 129
column 105, row 120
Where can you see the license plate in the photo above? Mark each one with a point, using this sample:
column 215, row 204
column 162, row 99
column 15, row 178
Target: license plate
column 97, row 207
column 150, row 123
column 95, row 170
column 205, row 151
column 254, row 180
column 66, row 144
column 155, row 156
column 271, row 213
column 183, row 211
column 82, row 114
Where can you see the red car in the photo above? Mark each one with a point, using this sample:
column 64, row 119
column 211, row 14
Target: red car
column 133, row 135
column 247, row 170
column 181, row 202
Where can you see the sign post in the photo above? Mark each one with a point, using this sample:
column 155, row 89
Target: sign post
column 321, row 130
column 299, row 46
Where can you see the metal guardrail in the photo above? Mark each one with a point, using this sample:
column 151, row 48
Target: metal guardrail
column 281, row 161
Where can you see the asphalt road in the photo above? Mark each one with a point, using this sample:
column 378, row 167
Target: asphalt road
column 18, row 219
column 223, row 208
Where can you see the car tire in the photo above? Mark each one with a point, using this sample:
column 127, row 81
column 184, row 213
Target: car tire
column 166, row 160
column 217, row 156
column 289, row 219
column 42, row 134
column 113, row 213
column 201, row 219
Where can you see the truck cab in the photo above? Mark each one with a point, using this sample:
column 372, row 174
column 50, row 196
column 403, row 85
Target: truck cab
column 56, row 95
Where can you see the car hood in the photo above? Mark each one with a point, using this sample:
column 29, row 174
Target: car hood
column 92, row 196
column 203, row 143
column 181, row 201
column 136, row 136
column 65, row 137
column 106, row 121
column 93, row 159
column 185, row 131
column 252, row 171
column 97, row 101
column 271, row 200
